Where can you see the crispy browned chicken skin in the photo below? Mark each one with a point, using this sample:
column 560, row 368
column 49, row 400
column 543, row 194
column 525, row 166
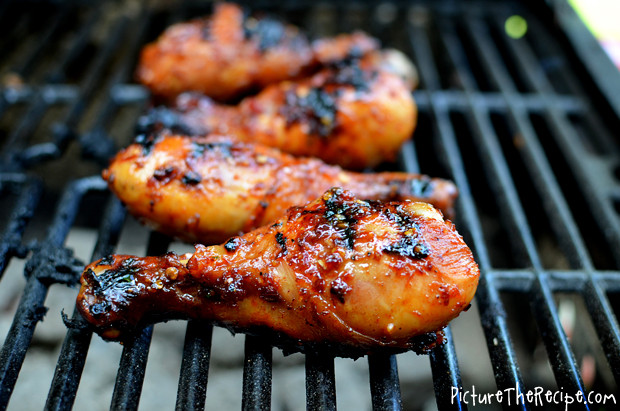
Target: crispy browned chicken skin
column 356, row 114
column 230, row 53
column 207, row 189
column 340, row 270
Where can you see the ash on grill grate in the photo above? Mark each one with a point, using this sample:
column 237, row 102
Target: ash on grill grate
column 521, row 125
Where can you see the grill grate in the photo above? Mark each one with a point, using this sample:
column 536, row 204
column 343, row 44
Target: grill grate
column 521, row 126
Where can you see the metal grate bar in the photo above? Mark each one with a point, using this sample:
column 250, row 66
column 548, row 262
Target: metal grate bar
column 493, row 319
column 28, row 190
column 493, row 316
column 41, row 99
column 438, row 106
column 256, row 374
column 43, row 41
column 69, row 207
column 609, row 280
column 443, row 359
column 14, row 152
column 75, row 345
column 132, row 367
column 31, row 309
column 605, row 323
column 95, row 142
column 592, row 287
column 94, row 74
column 384, row 383
column 192, row 390
column 502, row 185
column 138, row 33
column 320, row 381
column 521, row 281
column 12, row 157
column 592, row 56
column 561, row 357
column 29, row 312
column 131, row 371
column 67, row 128
column 69, row 367
column 78, row 43
column 542, row 174
column 596, row 301
column 558, row 348
column 407, row 158
column 576, row 84
column 557, row 208
column 573, row 151
column 446, row 375
column 496, row 102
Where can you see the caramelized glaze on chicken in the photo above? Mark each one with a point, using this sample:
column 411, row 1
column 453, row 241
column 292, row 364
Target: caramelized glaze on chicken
column 231, row 53
column 206, row 189
column 355, row 114
column 339, row 270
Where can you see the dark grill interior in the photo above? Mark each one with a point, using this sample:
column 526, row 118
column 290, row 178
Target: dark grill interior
column 527, row 128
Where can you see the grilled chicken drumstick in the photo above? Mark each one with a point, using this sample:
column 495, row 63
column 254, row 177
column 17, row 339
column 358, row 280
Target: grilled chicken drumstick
column 340, row 270
column 356, row 115
column 231, row 53
column 207, row 189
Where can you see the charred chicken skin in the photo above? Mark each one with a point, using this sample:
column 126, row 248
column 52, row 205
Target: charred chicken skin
column 230, row 53
column 355, row 114
column 339, row 270
column 207, row 189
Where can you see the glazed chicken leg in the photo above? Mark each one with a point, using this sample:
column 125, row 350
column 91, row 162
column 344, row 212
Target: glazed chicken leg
column 339, row 270
column 230, row 53
column 356, row 114
column 207, row 189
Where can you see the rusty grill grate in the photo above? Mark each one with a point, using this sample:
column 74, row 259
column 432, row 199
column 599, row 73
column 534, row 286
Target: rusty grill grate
column 527, row 128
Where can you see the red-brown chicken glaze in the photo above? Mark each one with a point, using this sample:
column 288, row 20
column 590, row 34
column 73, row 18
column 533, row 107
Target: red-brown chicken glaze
column 230, row 53
column 355, row 114
column 368, row 275
column 207, row 189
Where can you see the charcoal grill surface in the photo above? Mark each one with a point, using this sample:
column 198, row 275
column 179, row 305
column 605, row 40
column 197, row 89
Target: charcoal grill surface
column 527, row 128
